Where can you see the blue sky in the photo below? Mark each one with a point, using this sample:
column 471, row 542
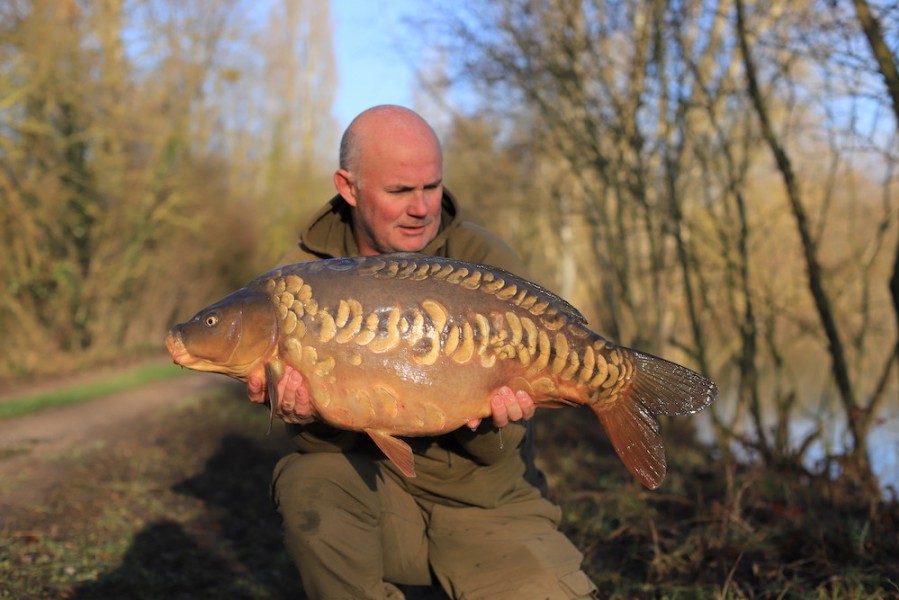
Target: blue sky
column 371, row 68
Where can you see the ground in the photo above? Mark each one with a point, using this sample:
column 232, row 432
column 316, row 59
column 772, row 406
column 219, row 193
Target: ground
column 157, row 492
column 30, row 446
column 162, row 492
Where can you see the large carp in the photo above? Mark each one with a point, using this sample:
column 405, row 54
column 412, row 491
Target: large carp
column 414, row 345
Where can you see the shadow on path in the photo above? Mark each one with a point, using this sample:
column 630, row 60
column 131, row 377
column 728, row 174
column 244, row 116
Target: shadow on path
column 235, row 552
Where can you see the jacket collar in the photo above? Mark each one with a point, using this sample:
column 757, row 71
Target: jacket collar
column 330, row 233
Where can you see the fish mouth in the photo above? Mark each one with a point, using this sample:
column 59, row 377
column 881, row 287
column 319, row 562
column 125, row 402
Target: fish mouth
column 182, row 357
column 175, row 346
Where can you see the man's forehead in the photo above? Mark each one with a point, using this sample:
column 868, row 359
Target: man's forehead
column 415, row 168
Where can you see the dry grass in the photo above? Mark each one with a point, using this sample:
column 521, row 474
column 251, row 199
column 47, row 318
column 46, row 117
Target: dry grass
column 718, row 531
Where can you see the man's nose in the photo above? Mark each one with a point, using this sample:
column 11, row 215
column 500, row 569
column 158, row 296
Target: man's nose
column 418, row 203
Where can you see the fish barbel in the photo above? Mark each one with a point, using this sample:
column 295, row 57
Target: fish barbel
column 415, row 345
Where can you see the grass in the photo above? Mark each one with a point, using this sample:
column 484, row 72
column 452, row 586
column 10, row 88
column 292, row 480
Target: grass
column 179, row 508
column 138, row 376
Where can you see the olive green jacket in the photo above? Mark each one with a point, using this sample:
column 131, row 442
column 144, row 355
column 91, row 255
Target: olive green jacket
column 487, row 467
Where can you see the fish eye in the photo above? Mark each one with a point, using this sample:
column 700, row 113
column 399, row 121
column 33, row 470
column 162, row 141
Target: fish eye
column 211, row 320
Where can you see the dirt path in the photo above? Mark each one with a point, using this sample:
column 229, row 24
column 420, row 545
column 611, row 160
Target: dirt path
column 30, row 446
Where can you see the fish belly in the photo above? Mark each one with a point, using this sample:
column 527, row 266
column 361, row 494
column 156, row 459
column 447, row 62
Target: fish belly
column 396, row 395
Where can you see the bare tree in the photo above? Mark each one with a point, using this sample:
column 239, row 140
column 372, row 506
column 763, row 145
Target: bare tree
column 672, row 128
column 859, row 415
column 887, row 66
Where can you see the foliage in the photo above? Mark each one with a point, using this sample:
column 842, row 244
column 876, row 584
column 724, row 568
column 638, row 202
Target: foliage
column 709, row 180
column 135, row 184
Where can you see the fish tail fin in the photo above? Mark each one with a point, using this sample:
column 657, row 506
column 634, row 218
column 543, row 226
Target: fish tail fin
column 657, row 387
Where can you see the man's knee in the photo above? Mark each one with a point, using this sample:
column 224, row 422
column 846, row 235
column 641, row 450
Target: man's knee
column 511, row 552
column 327, row 512
column 345, row 528
column 323, row 481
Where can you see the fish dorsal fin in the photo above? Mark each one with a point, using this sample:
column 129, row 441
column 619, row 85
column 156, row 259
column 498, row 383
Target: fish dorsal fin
column 557, row 301
column 634, row 432
column 396, row 450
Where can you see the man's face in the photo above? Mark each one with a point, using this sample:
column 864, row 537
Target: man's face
column 396, row 192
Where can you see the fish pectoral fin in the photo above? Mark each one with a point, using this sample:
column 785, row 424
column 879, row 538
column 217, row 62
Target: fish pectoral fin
column 558, row 403
column 396, row 450
column 272, row 383
column 634, row 432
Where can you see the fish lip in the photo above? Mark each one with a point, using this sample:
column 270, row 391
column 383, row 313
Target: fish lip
column 175, row 346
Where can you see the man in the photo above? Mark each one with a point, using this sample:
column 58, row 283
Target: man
column 474, row 516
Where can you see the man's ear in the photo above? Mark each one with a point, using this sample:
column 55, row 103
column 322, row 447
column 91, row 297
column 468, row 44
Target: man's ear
column 345, row 184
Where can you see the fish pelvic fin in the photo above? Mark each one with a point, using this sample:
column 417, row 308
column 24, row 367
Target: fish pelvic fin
column 398, row 451
column 657, row 387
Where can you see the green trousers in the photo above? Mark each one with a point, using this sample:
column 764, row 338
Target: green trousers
column 350, row 529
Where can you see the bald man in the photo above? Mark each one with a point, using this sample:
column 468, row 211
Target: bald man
column 475, row 517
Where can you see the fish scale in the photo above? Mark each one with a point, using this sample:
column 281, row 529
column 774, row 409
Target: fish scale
column 412, row 345
column 518, row 345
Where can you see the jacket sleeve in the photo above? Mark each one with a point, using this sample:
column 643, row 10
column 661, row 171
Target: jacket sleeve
column 488, row 445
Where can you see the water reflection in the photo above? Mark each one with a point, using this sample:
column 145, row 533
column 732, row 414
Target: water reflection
column 883, row 442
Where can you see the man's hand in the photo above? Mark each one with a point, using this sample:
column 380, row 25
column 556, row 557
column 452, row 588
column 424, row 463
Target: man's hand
column 508, row 406
column 294, row 401
column 256, row 390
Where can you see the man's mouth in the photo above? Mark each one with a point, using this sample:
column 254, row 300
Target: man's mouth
column 414, row 229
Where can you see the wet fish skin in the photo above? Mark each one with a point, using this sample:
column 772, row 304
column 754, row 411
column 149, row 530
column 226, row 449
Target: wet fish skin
column 413, row 345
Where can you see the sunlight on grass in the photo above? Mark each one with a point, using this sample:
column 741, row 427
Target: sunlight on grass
column 29, row 403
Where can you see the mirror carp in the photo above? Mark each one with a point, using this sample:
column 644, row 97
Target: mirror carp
column 414, row 345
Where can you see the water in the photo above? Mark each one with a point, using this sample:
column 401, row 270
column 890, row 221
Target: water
column 883, row 440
